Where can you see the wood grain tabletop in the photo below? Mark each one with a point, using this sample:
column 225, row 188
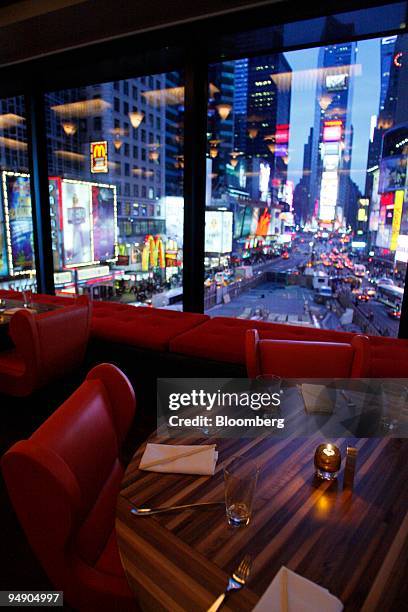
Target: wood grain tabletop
column 352, row 543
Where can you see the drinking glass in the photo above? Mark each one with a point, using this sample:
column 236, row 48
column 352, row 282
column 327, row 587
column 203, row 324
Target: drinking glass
column 393, row 399
column 27, row 298
column 240, row 479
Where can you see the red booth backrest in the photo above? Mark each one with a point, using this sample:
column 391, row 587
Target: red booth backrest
column 54, row 342
column 306, row 359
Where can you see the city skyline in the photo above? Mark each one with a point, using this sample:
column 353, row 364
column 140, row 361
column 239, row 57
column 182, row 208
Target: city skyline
column 366, row 91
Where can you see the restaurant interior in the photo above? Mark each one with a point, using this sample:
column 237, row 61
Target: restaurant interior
column 198, row 202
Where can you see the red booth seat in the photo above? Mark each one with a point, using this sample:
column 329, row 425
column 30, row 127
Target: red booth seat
column 223, row 338
column 389, row 357
column 150, row 328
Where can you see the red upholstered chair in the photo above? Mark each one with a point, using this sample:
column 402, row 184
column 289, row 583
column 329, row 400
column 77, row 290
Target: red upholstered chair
column 64, row 482
column 305, row 359
column 46, row 346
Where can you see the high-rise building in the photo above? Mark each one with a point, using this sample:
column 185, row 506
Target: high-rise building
column 332, row 133
column 263, row 132
column 301, row 196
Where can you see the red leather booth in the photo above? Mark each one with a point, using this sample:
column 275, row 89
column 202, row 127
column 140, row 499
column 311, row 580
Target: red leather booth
column 63, row 483
column 306, row 359
column 46, row 347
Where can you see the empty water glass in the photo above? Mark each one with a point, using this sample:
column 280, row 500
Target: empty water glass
column 393, row 400
column 240, row 479
column 27, row 298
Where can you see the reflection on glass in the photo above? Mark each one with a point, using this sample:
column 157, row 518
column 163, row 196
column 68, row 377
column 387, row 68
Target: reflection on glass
column 393, row 402
column 306, row 197
column 115, row 155
column 17, row 261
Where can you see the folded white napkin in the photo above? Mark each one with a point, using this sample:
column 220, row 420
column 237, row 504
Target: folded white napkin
column 179, row 459
column 317, row 398
column 289, row 592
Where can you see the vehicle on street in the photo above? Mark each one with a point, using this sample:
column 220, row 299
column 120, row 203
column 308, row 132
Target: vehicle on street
column 322, row 294
column 359, row 269
column 390, row 295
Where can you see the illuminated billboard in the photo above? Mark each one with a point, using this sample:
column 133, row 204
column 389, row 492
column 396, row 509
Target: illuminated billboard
column 19, row 222
column 104, row 222
column 3, row 245
column 336, row 82
column 393, row 173
column 76, row 215
column 174, row 212
column 396, row 219
column 401, row 253
column 332, row 131
column 282, row 133
column 331, row 162
column 264, row 175
column 218, row 231
column 328, row 196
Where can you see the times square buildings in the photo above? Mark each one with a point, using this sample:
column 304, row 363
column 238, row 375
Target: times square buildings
column 249, row 142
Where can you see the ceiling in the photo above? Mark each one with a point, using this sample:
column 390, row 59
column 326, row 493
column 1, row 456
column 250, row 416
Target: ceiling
column 31, row 29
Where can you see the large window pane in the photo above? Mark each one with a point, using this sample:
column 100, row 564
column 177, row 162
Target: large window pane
column 306, row 218
column 115, row 156
column 17, row 261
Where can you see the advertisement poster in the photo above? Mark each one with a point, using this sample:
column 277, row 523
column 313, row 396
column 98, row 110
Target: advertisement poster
column 103, row 213
column 218, row 231
column 76, row 213
column 54, row 191
column 21, row 223
column 3, row 245
column 393, row 172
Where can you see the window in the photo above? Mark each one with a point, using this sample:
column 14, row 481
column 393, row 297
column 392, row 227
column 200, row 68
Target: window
column 17, row 260
column 86, row 179
column 306, row 209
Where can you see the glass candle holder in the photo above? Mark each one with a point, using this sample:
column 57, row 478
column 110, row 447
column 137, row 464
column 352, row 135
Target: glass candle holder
column 327, row 461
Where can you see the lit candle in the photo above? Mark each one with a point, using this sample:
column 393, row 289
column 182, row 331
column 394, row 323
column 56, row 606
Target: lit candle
column 327, row 461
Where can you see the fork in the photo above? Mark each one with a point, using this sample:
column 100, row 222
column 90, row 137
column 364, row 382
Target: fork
column 235, row 582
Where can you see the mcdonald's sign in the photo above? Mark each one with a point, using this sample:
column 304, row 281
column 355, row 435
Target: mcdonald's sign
column 99, row 157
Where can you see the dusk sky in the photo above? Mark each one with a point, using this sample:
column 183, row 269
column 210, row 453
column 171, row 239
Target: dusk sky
column 365, row 104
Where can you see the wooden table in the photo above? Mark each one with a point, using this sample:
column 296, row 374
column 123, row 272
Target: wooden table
column 349, row 543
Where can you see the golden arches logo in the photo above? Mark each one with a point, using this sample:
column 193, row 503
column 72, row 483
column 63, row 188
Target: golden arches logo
column 153, row 254
column 99, row 156
column 99, row 150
